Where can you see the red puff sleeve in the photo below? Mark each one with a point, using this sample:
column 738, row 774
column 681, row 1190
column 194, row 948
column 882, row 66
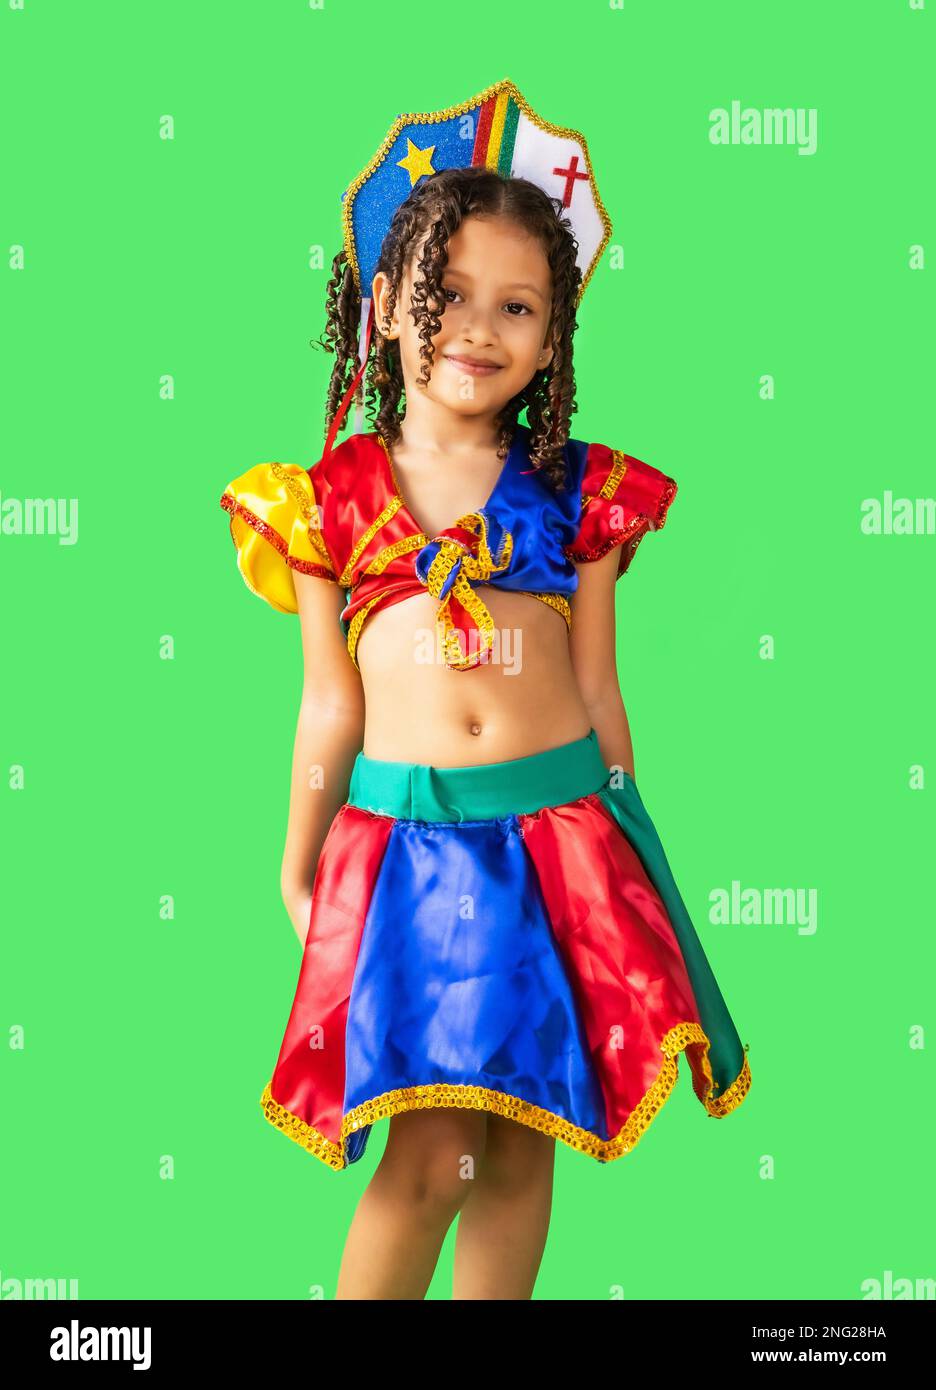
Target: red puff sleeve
column 622, row 499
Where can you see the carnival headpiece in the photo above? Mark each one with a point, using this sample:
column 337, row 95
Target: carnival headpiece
column 496, row 129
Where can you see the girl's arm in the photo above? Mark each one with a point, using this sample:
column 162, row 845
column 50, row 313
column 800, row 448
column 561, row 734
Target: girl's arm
column 594, row 658
column 329, row 735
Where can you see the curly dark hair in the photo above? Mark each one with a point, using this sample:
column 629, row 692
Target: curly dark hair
column 438, row 205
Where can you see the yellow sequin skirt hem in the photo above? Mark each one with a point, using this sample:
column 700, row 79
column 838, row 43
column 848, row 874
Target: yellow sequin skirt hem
column 684, row 1037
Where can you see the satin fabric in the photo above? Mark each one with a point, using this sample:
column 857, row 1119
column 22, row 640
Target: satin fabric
column 538, row 520
column 345, row 521
column 271, row 509
column 534, row 964
column 727, row 1055
column 309, row 1079
column 418, row 791
column 459, row 979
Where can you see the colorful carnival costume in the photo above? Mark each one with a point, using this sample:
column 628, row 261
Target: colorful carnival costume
column 456, row 953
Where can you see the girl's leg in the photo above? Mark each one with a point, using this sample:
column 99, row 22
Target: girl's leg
column 411, row 1201
column 503, row 1225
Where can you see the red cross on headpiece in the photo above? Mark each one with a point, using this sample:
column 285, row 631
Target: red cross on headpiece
column 571, row 174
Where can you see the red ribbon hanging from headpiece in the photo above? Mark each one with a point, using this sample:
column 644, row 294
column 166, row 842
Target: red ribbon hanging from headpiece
column 364, row 352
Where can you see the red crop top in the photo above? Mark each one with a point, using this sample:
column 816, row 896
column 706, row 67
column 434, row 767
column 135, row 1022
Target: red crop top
column 345, row 521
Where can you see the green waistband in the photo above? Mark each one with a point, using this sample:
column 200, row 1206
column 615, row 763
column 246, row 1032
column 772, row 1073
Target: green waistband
column 519, row 786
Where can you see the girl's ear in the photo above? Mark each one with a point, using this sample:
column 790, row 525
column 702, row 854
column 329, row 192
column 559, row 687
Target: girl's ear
column 380, row 292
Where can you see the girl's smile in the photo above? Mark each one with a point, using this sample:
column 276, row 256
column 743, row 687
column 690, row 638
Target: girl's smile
column 473, row 366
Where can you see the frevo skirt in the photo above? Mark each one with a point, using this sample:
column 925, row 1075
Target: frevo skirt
column 504, row 938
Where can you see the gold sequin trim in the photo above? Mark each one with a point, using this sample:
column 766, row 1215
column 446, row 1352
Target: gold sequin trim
column 635, row 530
column 557, row 601
column 729, row 1100
column 264, row 529
column 393, row 552
column 613, row 481
column 618, row 469
column 393, row 477
column 361, row 545
column 308, row 510
column 455, row 556
column 298, row 493
column 357, row 622
column 683, row 1037
column 434, row 117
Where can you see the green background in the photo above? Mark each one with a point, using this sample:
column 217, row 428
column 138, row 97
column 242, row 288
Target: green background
column 147, row 776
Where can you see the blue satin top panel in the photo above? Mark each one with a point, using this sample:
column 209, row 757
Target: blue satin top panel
column 540, row 519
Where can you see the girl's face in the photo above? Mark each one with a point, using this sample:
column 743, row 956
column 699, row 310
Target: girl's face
column 497, row 289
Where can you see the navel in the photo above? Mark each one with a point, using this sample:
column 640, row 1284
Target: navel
column 475, row 728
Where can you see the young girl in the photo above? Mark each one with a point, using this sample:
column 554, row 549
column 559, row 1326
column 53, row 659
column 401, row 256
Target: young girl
column 495, row 955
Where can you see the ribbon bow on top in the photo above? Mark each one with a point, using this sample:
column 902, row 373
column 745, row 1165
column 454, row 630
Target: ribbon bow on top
column 449, row 565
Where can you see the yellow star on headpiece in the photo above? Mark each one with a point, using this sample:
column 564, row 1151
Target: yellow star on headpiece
column 417, row 161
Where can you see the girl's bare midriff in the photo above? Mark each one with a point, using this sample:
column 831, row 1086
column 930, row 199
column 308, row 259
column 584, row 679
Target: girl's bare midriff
column 418, row 710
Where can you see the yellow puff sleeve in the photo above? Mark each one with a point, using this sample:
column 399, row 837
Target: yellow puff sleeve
column 276, row 526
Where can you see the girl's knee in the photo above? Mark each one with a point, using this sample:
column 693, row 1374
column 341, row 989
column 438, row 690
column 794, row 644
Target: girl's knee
column 435, row 1155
